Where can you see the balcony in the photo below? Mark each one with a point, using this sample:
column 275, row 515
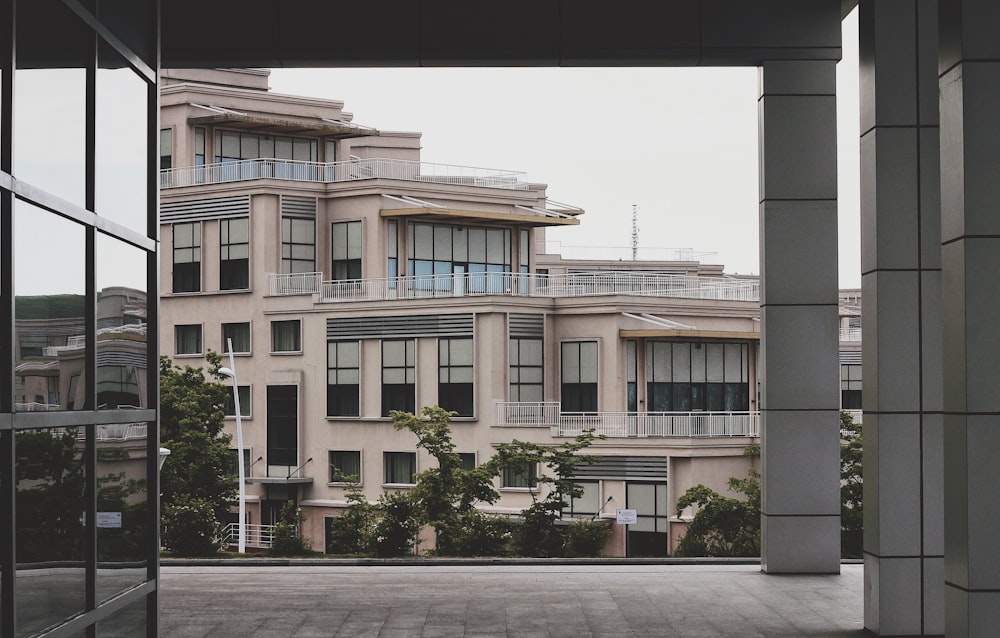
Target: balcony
column 629, row 424
column 345, row 171
column 850, row 334
column 515, row 285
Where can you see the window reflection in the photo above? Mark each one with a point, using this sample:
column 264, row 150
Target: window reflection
column 49, row 310
column 122, row 350
column 121, row 507
column 120, row 143
column 49, row 509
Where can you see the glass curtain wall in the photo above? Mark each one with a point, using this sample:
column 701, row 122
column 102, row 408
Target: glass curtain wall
column 79, row 151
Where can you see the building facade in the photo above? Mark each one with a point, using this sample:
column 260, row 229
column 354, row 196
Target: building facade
column 352, row 279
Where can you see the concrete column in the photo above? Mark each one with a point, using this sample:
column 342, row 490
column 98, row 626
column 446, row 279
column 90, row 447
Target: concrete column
column 800, row 401
column 901, row 291
column 969, row 83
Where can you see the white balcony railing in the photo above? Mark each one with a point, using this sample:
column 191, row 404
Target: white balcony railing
column 517, row 284
column 345, row 171
column 850, row 334
column 254, row 535
column 628, row 424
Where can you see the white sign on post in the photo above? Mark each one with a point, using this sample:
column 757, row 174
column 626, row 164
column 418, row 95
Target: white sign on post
column 626, row 517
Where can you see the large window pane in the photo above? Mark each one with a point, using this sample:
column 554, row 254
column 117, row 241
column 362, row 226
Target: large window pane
column 122, row 507
column 234, row 254
column 122, row 346
column 286, row 336
column 49, row 309
column 343, row 379
column 50, row 109
column 345, row 466
column 400, row 467
column 128, row 622
column 120, row 176
column 239, row 335
column 49, row 506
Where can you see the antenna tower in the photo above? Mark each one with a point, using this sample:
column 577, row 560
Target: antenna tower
column 635, row 231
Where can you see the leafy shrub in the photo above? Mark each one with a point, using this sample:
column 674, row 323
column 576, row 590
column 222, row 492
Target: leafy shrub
column 287, row 537
column 538, row 535
column 351, row 532
column 585, row 538
column 190, row 527
column 483, row 535
column 397, row 528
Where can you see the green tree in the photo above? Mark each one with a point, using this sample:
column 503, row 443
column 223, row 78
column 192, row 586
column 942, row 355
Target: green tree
column 445, row 494
column 192, row 413
column 538, row 535
column 723, row 526
column 351, row 531
column 851, row 488
column 287, row 534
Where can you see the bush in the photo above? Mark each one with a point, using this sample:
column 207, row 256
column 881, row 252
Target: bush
column 396, row 530
column 538, row 534
column 351, row 532
column 287, row 534
column 483, row 535
column 585, row 538
column 190, row 527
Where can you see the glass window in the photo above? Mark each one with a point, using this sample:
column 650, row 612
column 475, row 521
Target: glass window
column 286, row 336
column 282, row 430
column 526, row 370
column 343, row 378
column 588, row 503
column 400, row 467
column 121, row 191
column 523, row 475
column 392, row 246
column 695, row 377
column 50, row 539
column 239, row 333
column 234, row 254
column 850, row 387
column 455, row 375
column 298, row 245
column 245, row 405
column 346, row 250
column 467, row 460
column 579, row 376
column 345, row 466
column 187, row 257
column 122, row 507
column 166, row 149
column 398, row 376
column 188, row 339
column 49, row 310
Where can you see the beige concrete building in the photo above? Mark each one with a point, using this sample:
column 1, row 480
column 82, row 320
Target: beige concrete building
column 354, row 279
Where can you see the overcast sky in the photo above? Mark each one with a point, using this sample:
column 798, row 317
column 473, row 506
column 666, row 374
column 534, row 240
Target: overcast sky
column 679, row 143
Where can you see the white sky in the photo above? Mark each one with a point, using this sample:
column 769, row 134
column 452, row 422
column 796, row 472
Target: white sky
column 680, row 143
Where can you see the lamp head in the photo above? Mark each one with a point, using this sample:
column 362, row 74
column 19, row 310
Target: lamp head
column 227, row 372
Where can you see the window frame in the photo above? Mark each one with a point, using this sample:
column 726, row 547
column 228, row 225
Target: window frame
column 361, row 468
column 409, row 369
column 385, row 469
column 195, row 247
column 516, row 368
column 446, row 369
column 225, row 345
column 177, row 339
column 348, row 262
column 288, row 244
column 298, row 338
column 511, row 475
column 245, row 406
column 226, row 246
column 333, row 368
column 579, row 384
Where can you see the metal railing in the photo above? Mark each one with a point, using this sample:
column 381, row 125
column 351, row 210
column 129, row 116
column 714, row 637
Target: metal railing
column 857, row 415
column 628, row 424
column 517, row 285
column 850, row 334
column 299, row 283
column 255, row 535
column 344, row 171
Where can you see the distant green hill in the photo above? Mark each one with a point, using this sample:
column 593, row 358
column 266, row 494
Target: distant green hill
column 49, row 307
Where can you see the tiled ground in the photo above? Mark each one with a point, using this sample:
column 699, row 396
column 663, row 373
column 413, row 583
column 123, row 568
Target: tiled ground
column 516, row 601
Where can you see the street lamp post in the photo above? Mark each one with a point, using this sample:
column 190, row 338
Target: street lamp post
column 231, row 372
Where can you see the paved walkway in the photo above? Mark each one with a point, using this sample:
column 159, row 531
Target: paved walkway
column 511, row 601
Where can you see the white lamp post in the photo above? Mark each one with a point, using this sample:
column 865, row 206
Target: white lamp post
column 231, row 372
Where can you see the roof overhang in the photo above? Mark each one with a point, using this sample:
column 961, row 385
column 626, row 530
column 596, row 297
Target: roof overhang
column 430, row 213
column 278, row 126
column 689, row 334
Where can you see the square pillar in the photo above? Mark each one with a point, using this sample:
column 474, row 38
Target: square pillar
column 800, row 400
column 901, row 292
column 969, row 82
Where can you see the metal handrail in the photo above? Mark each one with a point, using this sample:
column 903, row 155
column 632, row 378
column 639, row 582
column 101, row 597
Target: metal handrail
column 518, row 285
column 255, row 535
column 343, row 171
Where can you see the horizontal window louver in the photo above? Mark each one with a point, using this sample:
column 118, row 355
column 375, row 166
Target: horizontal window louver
column 201, row 209
column 132, row 359
column 653, row 468
column 400, row 327
column 850, row 357
column 524, row 325
column 296, row 206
